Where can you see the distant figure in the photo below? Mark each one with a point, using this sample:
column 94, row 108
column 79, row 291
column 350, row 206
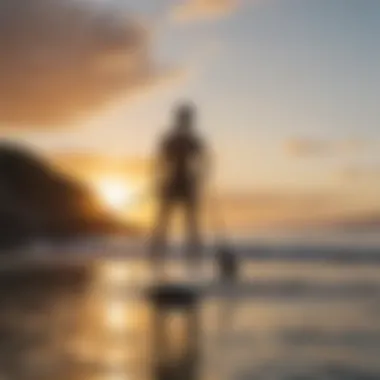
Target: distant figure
column 181, row 166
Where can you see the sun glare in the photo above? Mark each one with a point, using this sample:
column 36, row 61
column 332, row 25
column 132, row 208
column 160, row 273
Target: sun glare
column 116, row 194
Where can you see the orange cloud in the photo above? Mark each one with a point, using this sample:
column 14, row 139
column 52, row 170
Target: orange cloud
column 60, row 60
column 88, row 166
column 271, row 208
column 309, row 147
column 305, row 147
column 191, row 10
column 360, row 173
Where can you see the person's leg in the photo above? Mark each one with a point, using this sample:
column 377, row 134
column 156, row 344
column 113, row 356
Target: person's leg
column 159, row 243
column 191, row 205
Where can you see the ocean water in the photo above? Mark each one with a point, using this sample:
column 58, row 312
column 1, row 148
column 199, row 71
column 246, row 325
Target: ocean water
column 296, row 312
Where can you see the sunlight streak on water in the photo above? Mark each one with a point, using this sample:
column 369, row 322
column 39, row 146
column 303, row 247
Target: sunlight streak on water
column 117, row 314
column 112, row 279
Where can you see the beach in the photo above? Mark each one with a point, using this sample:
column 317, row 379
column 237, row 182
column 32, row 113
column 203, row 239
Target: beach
column 287, row 318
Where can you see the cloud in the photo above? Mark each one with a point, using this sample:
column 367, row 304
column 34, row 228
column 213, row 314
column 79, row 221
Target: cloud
column 305, row 147
column 309, row 147
column 90, row 166
column 62, row 59
column 277, row 208
column 361, row 173
column 193, row 10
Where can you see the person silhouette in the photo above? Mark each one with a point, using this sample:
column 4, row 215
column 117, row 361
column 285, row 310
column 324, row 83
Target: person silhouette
column 181, row 167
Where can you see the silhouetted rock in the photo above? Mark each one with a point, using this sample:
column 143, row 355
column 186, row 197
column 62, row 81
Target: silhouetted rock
column 37, row 201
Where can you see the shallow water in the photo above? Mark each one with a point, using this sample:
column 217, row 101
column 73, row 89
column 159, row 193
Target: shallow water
column 295, row 320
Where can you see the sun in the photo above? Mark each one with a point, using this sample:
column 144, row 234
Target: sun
column 116, row 194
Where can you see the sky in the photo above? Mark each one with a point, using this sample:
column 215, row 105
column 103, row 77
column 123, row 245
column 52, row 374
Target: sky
column 287, row 90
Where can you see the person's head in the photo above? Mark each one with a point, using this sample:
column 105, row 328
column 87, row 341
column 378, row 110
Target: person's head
column 185, row 117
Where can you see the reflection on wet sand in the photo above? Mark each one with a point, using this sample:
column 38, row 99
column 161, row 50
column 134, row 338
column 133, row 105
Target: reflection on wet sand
column 60, row 328
column 120, row 328
column 89, row 323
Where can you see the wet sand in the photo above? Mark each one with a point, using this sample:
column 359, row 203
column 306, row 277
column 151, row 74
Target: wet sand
column 281, row 321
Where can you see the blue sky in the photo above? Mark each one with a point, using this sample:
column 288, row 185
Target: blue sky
column 268, row 74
